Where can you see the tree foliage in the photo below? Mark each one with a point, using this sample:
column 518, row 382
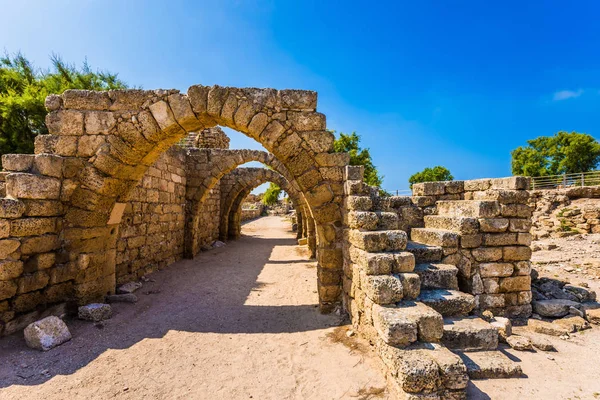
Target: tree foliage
column 358, row 156
column 23, row 90
column 563, row 153
column 435, row 174
column 271, row 195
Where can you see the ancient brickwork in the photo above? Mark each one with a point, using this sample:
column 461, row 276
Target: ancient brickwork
column 382, row 293
column 483, row 227
column 151, row 233
column 250, row 214
column 211, row 138
column 565, row 212
column 64, row 205
column 209, row 218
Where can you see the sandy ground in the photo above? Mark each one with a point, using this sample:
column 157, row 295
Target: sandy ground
column 573, row 372
column 239, row 322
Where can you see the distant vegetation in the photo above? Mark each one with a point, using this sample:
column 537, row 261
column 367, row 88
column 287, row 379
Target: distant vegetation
column 358, row 156
column 563, row 153
column 435, row 174
column 271, row 195
column 23, row 90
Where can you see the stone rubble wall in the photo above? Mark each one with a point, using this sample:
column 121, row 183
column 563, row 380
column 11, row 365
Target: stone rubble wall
column 488, row 223
column 151, row 233
column 210, row 215
column 565, row 212
column 250, row 213
column 381, row 292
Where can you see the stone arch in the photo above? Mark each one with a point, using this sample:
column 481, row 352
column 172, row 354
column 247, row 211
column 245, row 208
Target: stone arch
column 115, row 136
column 207, row 167
column 247, row 179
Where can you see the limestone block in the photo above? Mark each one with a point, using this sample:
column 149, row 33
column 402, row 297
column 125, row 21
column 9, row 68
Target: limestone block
column 515, row 284
column 10, row 269
column 494, row 225
column 17, row 162
column 553, row 307
column 382, row 289
column 53, row 102
column 99, row 122
column 516, row 211
column 65, row 122
column 477, row 185
column 182, row 110
column 47, row 333
column 164, row 117
column 487, row 254
column 86, row 99
column 11, row 208
column 297, row 99
column 411, row 285
column 492, row 270
column 516, row 253
column 307, row 121
column 7, row 289
column 95, row 312
column 28, row 186
column 35, row 281
column 511, row 183
column 39, row 244
column 8, row 246
column 319, row 141
column 499, row 239
column 470, row 241
column 403, row 262
column 429, row 188
column 60, row 145
column 32, row 226
column 393, row 326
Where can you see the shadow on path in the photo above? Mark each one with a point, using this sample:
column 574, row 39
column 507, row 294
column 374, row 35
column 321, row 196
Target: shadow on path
column 202, row 295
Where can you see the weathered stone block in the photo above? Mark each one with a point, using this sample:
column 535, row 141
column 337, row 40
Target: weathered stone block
column 382, row 289
column 487, row 254
column 28, row 186
column 47, row 333
column 10, row 269
column 65, row 122
column 516, row 253
column 32, row 226
column 17, row 162
column 493, row 224
column 515, row 284
column 8, row 246
column 11, row 208
column 86, row 99
column 494, row 270
column 94, row 312
column 393, row 326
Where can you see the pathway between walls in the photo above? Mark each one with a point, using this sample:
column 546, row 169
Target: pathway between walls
column 238, row 322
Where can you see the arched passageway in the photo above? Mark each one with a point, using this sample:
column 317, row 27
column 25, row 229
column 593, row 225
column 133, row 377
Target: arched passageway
column 112, row 138
column 235, row 188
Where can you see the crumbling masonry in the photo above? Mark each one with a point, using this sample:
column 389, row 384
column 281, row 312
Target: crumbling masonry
column 124, row 184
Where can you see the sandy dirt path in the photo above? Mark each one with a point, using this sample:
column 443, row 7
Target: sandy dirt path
column 239, row 322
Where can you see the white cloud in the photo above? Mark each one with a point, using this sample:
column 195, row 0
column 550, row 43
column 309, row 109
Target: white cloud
column 567, row 94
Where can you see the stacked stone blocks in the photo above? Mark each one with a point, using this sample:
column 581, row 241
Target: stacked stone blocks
column 484, row 231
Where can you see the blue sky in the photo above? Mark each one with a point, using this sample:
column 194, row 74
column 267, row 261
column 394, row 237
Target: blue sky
column 424, row 83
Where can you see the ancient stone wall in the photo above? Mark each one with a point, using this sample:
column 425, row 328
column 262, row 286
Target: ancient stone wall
column 250, row 213
column 151, row 233
column 565, row 212
column 483, row 227
column 209, row 218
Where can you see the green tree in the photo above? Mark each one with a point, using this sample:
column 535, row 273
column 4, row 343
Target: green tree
column 358, row 156
column 23, row 90
column 563, row 153
column 435, row 174
column 271, row 195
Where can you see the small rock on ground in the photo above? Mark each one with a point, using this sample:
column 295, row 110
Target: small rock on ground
column 554, row 307
column 129, row 287
column 520, row 343
column 572, row 324
column 94, row 312
column 121, row 298
column 47, row 333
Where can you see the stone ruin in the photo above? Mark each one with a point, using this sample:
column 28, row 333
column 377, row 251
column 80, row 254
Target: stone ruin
column 130, row 181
